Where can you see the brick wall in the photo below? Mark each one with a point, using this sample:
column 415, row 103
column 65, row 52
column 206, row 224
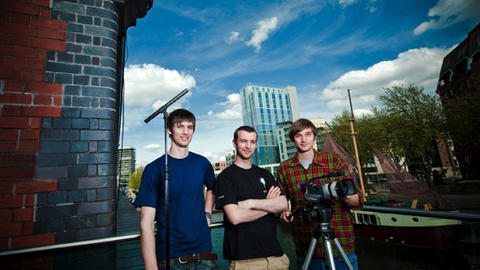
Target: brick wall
column 58, row 111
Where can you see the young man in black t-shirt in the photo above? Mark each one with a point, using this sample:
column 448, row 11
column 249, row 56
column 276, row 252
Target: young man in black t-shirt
column 250, row 196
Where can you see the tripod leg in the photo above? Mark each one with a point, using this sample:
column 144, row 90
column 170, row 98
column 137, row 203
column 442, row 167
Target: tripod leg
column 311, row 250
column 342, row 252
column 328, row 249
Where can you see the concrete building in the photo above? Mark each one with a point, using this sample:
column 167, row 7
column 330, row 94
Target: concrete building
column 126, row 164
column 230, row 157
column 459, row 90
column 262, row 108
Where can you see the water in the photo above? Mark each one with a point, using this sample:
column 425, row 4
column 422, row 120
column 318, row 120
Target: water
column 374, row 255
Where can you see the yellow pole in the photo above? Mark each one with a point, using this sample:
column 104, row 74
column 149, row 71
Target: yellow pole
column 354, row 139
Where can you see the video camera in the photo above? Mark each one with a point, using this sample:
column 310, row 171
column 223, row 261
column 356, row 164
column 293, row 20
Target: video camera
column 318, row 193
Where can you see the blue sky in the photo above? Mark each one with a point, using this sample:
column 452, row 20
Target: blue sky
column 323, row 48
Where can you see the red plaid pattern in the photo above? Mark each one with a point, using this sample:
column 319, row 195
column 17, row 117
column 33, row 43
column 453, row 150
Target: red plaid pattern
column 291, row 173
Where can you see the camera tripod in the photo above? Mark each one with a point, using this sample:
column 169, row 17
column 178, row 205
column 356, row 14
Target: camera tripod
column 322, row 215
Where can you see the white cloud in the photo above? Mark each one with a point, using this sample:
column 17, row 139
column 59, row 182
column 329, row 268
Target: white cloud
column 152, row 146
column 261, row 33
column 420, row 66
column 345, row 3
column 234, row 36
column 448, row 12
column 233, row 109
column 147, row 84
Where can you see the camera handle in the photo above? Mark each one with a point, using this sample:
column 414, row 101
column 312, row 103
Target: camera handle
column 323, row 215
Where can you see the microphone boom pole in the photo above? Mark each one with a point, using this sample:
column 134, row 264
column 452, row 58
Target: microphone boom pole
column 163, row 110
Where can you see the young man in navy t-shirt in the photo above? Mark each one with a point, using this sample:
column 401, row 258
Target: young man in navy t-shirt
column 189, row 211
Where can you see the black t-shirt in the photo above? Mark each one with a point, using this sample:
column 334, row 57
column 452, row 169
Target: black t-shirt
column 254, row 239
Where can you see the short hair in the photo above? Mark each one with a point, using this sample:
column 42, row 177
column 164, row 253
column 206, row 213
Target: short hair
column 178, row 116
column 300, row 125
column 244, row 128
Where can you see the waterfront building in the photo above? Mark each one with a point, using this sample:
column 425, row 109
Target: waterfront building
column 262, row 108
column 126, row 164
column 459, row 90
column 230, row 157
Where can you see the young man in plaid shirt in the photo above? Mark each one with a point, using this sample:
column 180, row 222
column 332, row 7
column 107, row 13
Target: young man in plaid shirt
column 306, row 165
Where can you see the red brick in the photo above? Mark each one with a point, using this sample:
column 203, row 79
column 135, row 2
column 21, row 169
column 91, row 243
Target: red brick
column 36, row 186
column 27, row 228
column 19, row 7
column 4, row 245
column 36, row 64
column 38, row 76
column 11, row 201
column 54, row 24
column 35, row 122
column 16, row 160
column 29, row 146
column 14, row 86
column 16, row 173
column 18, row 40
column 29, row 200
column 7, row 73
column 45, row 13
column 33, row 240
column 6, row 188
column 19, row 18
column 62, row 35
column 23, row 214
column 41, row 87
column 57, row 100
column 18, row 29
column 12, row 110
column 47, row 33
column 3, row 38
column 45, row 111
column 41, row 100
column 29, row 134
column 14, row 122
column 45, row 43
column 10, row 229
column 5, row 215
column 9, row 134
column 15, row 98
column 18, row 51
column 42, row 55
column 8, row 146
column 42, row 3
column 4, row 17
column 16, row 62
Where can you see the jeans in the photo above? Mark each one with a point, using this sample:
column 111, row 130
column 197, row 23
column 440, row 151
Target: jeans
column 201, row 265
column 320, row 263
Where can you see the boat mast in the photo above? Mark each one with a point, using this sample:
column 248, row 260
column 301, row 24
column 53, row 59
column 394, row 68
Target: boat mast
column 353, row 133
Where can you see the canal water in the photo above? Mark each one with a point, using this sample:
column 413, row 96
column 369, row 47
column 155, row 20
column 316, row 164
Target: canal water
column 374, row 255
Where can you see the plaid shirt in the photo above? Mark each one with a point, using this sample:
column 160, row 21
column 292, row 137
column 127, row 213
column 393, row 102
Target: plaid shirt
column 290, row 173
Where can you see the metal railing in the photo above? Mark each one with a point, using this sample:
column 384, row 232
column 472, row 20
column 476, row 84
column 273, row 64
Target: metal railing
column 130, row 237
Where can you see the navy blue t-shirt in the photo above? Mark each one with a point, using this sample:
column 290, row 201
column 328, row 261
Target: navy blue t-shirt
column 189, row 231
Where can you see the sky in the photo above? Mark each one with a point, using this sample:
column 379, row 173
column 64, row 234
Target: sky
column 214, row 48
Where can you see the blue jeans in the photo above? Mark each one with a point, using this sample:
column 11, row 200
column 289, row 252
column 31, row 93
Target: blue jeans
column 320, row 263
column 201, row 265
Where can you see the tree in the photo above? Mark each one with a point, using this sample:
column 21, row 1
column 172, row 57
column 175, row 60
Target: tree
column 135, row 179
column 405, row 124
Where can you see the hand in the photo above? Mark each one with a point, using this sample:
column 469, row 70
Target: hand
column 286, row 216
column 273, row 192
column 208, row 221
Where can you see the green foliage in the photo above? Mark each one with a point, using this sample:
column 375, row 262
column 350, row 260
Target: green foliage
column 405, row 124
column 135, row 179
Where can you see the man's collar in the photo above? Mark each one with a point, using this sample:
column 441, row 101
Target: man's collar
column 295, row 162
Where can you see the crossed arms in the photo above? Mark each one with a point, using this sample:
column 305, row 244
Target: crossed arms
column 253, row 209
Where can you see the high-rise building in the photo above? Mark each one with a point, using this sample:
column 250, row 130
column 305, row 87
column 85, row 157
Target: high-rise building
column 262, row 108
column 230, row 157
column 286, row 147
column 126, row 164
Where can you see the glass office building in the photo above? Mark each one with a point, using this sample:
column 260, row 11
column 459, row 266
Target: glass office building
column 262, row 108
